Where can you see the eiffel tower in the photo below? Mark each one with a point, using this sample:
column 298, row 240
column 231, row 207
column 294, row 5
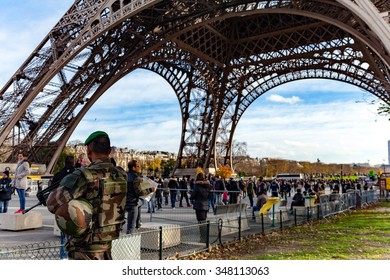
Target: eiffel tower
column 218, row 56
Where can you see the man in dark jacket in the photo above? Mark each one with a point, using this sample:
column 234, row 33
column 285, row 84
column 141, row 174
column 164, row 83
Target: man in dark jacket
column 173, row 186
column 134, row 192
column 184, row 192
column 298, row 199
column 68, row 168
column 200, row 197
column 219, row 189
column 233, row 190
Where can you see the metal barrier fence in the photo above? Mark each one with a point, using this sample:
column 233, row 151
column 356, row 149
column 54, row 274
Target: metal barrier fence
column 229, row 222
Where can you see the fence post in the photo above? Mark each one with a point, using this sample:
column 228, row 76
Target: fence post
column 160, row 241
column 239, row 220
column 239, row 228
column 295, row 216
column 262, row 223
column 281, row 220
column 208, row 235
column 318, row 211
column 307, row 213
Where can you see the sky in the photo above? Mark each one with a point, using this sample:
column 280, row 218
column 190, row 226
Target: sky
column 303, row 120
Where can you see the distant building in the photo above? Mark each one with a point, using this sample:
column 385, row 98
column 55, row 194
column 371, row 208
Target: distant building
column 123, row 155
column 385, row 168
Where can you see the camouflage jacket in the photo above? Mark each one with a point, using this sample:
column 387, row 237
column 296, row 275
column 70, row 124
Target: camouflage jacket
column 104, row 186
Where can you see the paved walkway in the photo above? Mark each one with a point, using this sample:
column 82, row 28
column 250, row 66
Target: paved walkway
column 45, row 233
column 178, row 216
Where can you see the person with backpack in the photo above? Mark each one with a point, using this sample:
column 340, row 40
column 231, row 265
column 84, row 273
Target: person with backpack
column 89, row 204
column 250, row 191
column 275, row 188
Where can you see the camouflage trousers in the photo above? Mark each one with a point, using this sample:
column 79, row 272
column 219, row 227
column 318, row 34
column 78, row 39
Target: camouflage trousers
column 92, row 251
column 89, row 255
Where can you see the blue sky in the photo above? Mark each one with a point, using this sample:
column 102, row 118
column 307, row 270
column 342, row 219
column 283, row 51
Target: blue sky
column 303, row 120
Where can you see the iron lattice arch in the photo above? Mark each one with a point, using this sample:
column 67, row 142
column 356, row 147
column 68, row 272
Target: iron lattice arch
column 218, row 56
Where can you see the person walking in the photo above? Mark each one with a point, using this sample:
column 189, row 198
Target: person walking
column 20, row 180
column 159, row 191
column 219, row 189
column 200, row 197
column 5, row 191
column 183, row 184
column 89, row 204
column 250, row 191
column 233, row 190
column 275, row 188
column 166, row 193
column 173, row 186
column 212, row 194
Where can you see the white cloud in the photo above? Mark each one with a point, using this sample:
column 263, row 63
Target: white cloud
column 23, row 25
column 138, row 88
column 281, row 99
column 342, row 132
column 317, row 86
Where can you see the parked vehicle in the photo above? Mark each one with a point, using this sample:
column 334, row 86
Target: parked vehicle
column 290, row 176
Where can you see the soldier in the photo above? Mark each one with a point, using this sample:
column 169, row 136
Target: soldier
column 89, row 204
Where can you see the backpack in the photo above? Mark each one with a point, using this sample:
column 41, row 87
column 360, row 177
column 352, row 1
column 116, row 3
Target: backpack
column 274, row 186
column 107, row 194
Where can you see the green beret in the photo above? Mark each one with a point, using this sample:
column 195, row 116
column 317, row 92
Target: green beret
column 95, row 135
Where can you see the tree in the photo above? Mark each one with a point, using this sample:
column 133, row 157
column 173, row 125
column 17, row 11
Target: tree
column 168, row 167
column 61, row 159
column 155, row 165
column 224, row 171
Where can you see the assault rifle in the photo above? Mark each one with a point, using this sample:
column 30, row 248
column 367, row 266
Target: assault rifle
column 42, row 196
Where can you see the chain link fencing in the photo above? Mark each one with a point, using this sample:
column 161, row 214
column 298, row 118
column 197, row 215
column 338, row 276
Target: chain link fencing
column 175, row 235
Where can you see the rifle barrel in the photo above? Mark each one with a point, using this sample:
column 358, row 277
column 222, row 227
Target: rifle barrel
column 32, row 207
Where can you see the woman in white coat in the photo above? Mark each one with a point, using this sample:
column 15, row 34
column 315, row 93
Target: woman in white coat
column 20, row 180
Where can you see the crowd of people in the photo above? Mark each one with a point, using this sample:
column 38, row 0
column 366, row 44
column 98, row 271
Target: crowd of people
column 257, row 190
column 102, row 193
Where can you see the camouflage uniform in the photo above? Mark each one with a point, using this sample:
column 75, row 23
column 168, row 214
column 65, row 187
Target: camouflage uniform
column 108, row 201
